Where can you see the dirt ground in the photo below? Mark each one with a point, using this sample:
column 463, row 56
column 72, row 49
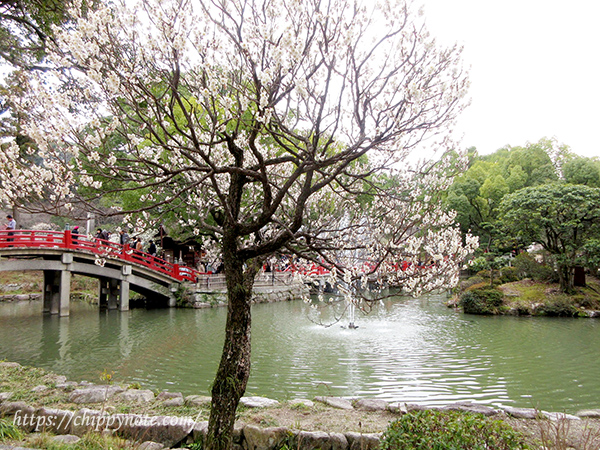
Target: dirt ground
column 542, row 434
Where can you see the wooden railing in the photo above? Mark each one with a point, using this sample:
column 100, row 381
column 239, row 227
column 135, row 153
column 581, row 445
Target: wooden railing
column 102, row 249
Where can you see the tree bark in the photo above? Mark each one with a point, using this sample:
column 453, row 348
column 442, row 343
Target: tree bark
column 565, row 276
column 234, row 370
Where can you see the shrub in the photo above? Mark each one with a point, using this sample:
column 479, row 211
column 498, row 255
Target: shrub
column 481, row 299
column 527, row 266
column 479, row 264
column 545, row 274
column 509, row 274
column 466, row 284
column 485, row 274
column 452, row 430
column 559, row 306
column 524, row 264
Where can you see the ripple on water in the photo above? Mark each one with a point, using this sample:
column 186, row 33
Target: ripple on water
column 413, row 350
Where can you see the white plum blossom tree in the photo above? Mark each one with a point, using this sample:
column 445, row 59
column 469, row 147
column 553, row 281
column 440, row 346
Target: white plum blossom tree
column 270, row 125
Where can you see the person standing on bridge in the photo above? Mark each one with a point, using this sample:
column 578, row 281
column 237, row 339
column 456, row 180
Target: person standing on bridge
column 139, row 247
column 152, row 249
column 75, row 234
column 11, row 225
column 124, row 238
column 100, row 234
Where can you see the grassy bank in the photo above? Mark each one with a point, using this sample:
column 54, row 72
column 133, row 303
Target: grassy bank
column 528, row 297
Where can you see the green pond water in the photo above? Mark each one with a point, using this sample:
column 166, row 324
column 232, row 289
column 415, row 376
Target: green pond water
column 409, row 350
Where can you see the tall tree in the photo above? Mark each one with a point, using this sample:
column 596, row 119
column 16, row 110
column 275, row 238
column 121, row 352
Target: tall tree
column 582, row 170
column 477, row 193
column 258, row 116
column 563, row 218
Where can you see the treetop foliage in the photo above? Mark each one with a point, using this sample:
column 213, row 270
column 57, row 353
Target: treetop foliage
column 476, row 194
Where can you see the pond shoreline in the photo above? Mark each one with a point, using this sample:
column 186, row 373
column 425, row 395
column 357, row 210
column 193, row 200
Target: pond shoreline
column 263, row 424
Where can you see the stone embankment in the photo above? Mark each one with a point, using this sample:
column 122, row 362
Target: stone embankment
column 19, row 297
column 90, row 408
column 268, row 294
column 19, row 292
column 200, row 299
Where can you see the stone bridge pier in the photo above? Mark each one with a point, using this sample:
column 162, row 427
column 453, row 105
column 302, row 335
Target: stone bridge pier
column 112, row 293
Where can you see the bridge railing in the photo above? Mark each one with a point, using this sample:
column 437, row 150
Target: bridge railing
column 265, row 279
column 108, row 249
column 101, row 248
column 217, row 282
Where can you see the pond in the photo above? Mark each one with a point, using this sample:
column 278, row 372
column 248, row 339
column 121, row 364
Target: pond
column 409, row 350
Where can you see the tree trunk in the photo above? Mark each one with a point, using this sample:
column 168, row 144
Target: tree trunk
column 565, row 276
column 232, row 376
column 579, row 276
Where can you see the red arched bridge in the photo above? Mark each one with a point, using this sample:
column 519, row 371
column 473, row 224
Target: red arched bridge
column 119, row 268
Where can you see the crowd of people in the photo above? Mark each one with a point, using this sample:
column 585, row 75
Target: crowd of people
column 123, row 238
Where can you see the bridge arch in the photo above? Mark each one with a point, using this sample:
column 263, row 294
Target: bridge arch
column 118, row 268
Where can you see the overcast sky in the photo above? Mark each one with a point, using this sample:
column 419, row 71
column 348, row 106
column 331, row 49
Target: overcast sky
column 534, row 69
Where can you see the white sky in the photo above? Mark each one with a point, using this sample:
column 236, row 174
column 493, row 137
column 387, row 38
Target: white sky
column 534, row 69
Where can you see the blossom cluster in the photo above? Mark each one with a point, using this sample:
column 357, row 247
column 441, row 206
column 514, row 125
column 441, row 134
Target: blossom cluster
column 287, row 125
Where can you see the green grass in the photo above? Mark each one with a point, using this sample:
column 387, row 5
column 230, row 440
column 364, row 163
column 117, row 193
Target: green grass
column 9, row 431
column 91, row 441
column 524, row 294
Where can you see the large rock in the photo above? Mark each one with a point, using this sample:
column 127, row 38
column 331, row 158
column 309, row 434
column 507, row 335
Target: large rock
column 338, row 441
column 589, row 414
column 57, row 421
column 87, row 420
column 24, row 414
column 137, row 395
column 197, row 400
column 258, row 402
column 266, row 438
column 10, row 447
column 66, row 385
column 173, row 402
column 167, row 430
column 16, row 408
column 165, row 395
column 371, row 404
column 522, row 413
column 66, row 439
column 94, row 394
column 363, row 441
column 149, row 445
column 469, row 407
column 556, row 416
column 335, row 402
column 10, row 365
column 5, row 396
column 312, row 440
column 199, row 431
column 40, row 388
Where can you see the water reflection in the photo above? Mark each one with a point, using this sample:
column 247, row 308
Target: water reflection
column 412, row 350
